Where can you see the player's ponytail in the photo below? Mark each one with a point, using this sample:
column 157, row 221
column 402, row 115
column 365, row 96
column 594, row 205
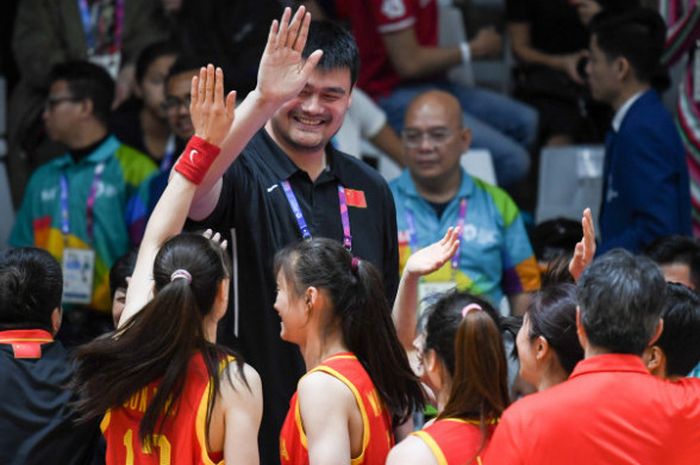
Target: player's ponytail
column 357, row 295
column 157, row 344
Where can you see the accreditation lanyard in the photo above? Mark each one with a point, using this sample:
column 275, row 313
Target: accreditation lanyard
column 413, row 236
column 169, row 155
column 301, row 221
column 90, row 207
column 89, row 17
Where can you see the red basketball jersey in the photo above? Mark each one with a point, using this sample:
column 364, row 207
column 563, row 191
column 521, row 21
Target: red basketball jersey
column 453, row 441
column 182, row 439
column 377, row 434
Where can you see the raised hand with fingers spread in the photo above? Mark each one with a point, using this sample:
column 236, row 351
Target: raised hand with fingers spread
column 283, row 71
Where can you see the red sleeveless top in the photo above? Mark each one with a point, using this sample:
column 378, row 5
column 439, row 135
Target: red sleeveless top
column 182, row 439
column 453, row 441
column 377, row 434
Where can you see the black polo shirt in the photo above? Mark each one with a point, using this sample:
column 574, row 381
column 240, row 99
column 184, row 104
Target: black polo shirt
column 36, row 420
column 254, row 208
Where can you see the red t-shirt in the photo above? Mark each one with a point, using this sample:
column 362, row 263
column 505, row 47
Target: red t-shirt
column 453, row 441
column 611, row 411
column 370, row 19
column 377, row 434
column 183, row 437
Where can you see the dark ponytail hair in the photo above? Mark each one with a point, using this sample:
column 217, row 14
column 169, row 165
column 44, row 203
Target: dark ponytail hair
column 158, row 342
column 552, row 314
column 357, row 294
column 471, row 347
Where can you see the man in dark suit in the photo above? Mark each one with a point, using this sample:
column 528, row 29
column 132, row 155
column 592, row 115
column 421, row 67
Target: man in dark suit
column 646, row 189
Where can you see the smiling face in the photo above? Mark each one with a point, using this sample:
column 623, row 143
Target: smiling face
column 433, row 137
column 177, row 104
column 291, row 309
column 307, row 122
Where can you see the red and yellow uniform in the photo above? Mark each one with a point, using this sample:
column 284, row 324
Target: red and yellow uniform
column 453, row 441
column 182, row 439
column 377, row 435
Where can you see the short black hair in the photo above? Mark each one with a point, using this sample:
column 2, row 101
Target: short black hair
column 620, row 296
column 31, row 284
column 150, row 54
column 87, row 81
column 184, row 63
column 638, row 35
column 122, row 269
column 683, row 250
column 680, row 339
column 338, row 45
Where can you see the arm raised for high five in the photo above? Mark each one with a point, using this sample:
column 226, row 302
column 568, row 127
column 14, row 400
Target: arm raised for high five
column 420, row 263
column 282, row 74
column 212, row 116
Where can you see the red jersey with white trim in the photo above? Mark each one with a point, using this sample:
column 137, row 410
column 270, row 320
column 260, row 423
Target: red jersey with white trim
column 377, row 434
column 453, row 441
column 370, row 19
column 182, row 439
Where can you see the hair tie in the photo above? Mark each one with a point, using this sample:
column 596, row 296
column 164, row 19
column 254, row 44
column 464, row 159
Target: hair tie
column 354, row 264
column 181, row 274
column 468, row 308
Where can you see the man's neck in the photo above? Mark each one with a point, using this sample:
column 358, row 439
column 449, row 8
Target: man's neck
column 629, row 92
column 312, row 162
column 90, row 134
column 439, row 190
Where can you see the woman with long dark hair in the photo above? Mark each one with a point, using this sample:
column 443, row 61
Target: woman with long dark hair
column 169, row 392
column 359, row 384
column 464, row 363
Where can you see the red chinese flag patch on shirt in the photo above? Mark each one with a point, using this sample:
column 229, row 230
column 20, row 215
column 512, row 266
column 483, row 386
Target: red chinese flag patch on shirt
column 356, row 198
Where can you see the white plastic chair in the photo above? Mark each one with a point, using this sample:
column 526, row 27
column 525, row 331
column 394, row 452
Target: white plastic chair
column 571, row 179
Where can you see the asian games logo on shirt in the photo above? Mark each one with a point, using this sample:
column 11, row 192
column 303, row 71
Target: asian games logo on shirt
column 393, row 9
column 472, row 232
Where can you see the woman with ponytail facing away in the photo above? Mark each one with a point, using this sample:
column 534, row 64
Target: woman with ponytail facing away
column 464, row 363
column 168, row 393
column 358, row 384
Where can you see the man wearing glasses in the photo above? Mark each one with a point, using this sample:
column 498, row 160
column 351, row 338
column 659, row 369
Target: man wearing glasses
column 494, row 258
column 85, row 207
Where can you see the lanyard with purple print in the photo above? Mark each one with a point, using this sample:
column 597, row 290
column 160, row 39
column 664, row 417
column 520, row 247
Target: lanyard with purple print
column 90, row 204
column 413, row 235
column 301, row 221
column 89, row 17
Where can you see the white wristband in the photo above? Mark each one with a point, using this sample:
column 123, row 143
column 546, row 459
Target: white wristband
column 466, row 52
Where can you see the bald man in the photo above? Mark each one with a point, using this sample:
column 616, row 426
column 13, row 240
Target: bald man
column 495, row 258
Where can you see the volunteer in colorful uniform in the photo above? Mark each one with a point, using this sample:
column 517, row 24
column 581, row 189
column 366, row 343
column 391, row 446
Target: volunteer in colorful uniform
column 359, row 385
column 171, row 395
column 464, row 363
column 278, row 180
column 494, row 257
column 86, row 207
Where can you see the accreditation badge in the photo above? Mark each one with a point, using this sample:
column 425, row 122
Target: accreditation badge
column 78, row 275
column 428, row 293
column 108, row 61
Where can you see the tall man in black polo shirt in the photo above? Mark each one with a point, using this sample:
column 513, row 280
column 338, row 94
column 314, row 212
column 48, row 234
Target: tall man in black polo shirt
column 278, row 180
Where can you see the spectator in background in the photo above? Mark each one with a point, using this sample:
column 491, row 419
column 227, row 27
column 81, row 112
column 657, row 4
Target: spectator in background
column 141, row 121
column 677, row 351
column 550, row 46
column 364, row 120
column 177, row 114
column 679, row 259
column 36, row 421
column 119, row 277
column 610, row 410
column 84, row 207
column 683, row 40
column 230, row 34
column 645, row 193
column 110, row 33
column 495, row 258
column 401, row 59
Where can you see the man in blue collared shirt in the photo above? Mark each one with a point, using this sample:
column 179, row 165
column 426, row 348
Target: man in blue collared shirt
column 495, row 258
